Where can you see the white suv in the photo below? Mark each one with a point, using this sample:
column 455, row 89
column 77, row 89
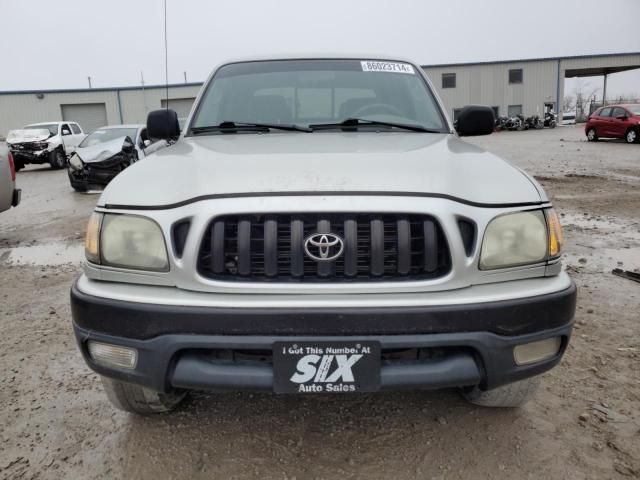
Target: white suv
column 320, row 227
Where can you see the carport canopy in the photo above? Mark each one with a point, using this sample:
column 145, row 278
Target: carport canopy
column 599, row 71
column 595, row 71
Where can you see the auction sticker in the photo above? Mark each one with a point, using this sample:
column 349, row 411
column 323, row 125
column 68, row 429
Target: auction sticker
column 326, row 367
column 386, row 67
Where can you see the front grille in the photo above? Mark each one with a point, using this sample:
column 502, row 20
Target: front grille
column 29, row 146
column 376, row 247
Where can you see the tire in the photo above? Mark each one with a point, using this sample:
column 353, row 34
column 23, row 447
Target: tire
column 552, row 124
column 57, row 160
column 140, row 400
column 592, row 135
column 511, row 395
column 632, row 136
column 79, row 187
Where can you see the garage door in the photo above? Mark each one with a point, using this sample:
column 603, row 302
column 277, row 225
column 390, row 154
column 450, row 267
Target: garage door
column 182, row 106
column 89, row 115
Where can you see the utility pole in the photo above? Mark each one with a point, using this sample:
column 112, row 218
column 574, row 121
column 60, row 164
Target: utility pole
column 89, row 78
column 144, row 98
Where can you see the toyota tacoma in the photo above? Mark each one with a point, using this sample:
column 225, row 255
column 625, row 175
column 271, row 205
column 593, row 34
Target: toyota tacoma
column 320, row 227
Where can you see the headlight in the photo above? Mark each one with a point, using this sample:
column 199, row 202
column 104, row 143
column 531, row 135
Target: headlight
column 514, row 239
column 75, row 162
column 127, row 241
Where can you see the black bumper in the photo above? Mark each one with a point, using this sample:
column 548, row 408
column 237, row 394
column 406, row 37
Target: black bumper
column 15, row 198
column 90, row 177
column 26, row 156
column 175, row 343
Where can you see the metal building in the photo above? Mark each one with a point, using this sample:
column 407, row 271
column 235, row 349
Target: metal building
column 94, row 107
column 520, row 86
column 511, row 87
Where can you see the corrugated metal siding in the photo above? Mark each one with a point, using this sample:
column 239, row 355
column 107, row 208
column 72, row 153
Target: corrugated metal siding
column 135, row 105
column 19, row 109
column 489, row 85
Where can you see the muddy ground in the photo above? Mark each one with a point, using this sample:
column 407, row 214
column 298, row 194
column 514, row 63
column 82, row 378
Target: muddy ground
column 584, row 423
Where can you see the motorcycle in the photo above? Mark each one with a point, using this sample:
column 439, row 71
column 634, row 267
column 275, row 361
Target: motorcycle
column 501, row 123
column 522, row 125
column 550, row 120
column 534, row 121
column 514, row 123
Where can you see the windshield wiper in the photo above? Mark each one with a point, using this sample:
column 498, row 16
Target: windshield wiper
column 232, row 127
column 354, row 123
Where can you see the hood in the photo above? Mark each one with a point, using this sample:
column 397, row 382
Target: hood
column 101, row 151
column 435, row 164
column 28, row 135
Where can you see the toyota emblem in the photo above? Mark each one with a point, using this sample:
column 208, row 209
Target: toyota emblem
column 323, row 247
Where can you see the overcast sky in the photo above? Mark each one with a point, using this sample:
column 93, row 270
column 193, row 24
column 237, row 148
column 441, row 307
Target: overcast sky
column 57, row 44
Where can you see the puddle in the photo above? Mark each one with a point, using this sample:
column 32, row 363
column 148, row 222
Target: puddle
column 43, row 255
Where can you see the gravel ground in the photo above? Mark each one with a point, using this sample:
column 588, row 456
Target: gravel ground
column 55, row 421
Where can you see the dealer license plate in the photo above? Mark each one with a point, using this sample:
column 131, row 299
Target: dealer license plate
column 326, row 367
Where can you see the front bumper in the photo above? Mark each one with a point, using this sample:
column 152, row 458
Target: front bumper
column 197, row 347
column 91, row 176
column 98, row 174
column 29, row 156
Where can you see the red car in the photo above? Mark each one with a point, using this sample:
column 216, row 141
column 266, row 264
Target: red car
column 614, row 121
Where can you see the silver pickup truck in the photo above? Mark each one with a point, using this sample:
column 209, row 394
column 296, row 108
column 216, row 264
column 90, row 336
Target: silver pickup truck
column 320, row 227
column 9, row 194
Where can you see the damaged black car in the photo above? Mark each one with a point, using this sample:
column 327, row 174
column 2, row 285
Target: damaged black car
column 105, row 153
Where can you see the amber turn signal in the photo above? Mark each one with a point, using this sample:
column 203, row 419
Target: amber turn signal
column 556, row 237
column 92, row 238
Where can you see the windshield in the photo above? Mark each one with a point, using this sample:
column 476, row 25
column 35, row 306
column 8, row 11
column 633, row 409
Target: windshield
column 635, row 109
column 52, row 127
column 106, row 134
column 305, row 92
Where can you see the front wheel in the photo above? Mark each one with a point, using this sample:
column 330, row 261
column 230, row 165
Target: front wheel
column 57, row 159
column 136, row 399
column 511, row 395
column 592, row 136
column 631, row 136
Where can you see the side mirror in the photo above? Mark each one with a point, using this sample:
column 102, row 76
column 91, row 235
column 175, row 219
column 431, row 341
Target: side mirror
column 146, row 143
column 475, row 120
column 66, row 132
column 163, row 124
